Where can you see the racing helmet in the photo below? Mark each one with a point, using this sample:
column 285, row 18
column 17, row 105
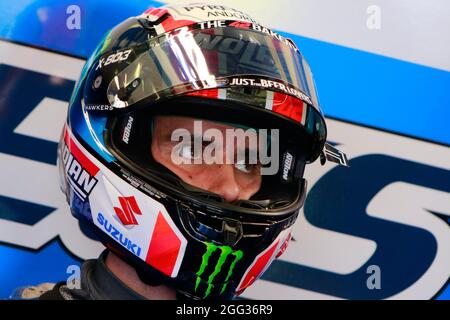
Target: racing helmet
column 205, row 62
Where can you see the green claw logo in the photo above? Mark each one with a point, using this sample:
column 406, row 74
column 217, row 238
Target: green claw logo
column 225, row 251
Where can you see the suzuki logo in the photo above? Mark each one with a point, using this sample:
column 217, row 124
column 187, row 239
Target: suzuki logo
column 129, row 208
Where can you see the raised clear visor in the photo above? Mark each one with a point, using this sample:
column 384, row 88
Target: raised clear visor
column 188, row 60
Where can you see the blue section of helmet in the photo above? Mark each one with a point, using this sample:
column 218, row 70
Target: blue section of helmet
column 88, row 127
column 91, row 131
column 98, row 124
column 80, row 208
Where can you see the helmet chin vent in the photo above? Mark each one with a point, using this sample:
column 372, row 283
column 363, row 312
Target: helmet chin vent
column 220, row 229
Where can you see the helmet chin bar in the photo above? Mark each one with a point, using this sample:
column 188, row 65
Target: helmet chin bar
column 206, row 225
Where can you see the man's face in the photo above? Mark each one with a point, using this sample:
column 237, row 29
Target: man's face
column 233, row 181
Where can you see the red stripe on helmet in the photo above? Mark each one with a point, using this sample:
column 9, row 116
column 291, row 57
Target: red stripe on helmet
column 281, row 103
column 288, row 106
column 241, row 24
column 284, row 246
column 79, row 155
column 169, row 23
column 209, row 93
column 164, row 247
column 257, row 268
column 157, row 12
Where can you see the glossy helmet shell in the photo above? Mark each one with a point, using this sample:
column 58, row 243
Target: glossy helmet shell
column 169, row 234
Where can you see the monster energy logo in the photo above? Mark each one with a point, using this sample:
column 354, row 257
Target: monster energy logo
column 225, row 251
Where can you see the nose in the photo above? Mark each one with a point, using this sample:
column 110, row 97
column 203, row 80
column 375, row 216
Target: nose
column 224, row 183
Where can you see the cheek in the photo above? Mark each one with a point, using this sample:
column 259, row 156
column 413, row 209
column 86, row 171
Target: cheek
column 249, row 184
column 192, row 174
column 199, row 176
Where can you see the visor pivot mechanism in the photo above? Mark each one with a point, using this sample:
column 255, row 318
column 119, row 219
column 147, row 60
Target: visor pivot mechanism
column 333, row 154
column 126, row 92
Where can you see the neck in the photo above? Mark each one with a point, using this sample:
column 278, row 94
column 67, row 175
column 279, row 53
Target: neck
column 127, row 274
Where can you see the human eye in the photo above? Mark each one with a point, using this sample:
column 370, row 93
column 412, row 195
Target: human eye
column 188, row 152
column 245, row 167
column 247, row 162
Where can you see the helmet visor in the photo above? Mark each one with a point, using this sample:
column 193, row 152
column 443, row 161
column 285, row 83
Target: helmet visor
column 189, row 60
